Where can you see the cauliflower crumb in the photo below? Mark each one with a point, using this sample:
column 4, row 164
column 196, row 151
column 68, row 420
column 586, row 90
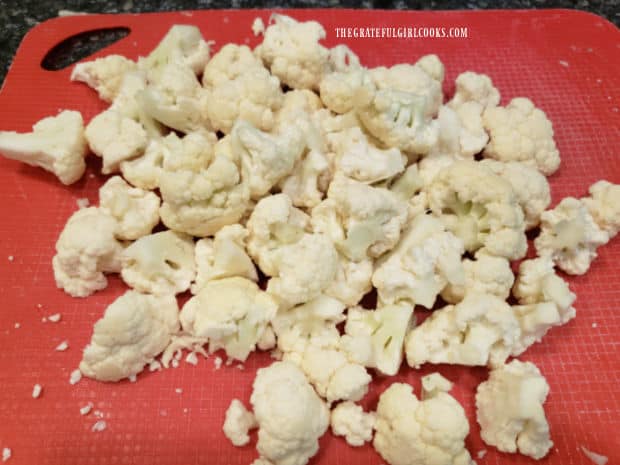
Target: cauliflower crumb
column 64, row 345
column 155, row 365
column 132, row 378
column 36, row 391
column 594, row 325
column 258, row 26
column 481, row 453
column 99, row 426
column 192, row 359
column 178, row 391
column 82, row 202
column 98, row 414
column 217, row 363
column 6, row 454
column 17, row 325
column 563, row 63
column 75, row 377
column 174, row 363
column 86, row 409
column 598, row 459
column 11, row 258
column 55, row 318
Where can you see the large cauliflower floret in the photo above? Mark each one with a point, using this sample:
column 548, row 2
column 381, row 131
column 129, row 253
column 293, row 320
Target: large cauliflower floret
column 480, row 208
column 414, row 432
column 135, row 210
column 350, row 420
column 474, row 87
column 521, row 132
column 160, row 263
column 529, row 185
column 224, row 256
column 104, row 75
column 363, row 221
column 204, row 187
column 486, row 274
column 134, row 329
column 290, row 415
column 375, row 338
column 426, row 259
column 604, row 206
column 569, row 235
column 510, row 410
column 56, row 144
column 229, row 313
column 292, row 52
column 238, row 422
column 86, row 249
column 479, row 330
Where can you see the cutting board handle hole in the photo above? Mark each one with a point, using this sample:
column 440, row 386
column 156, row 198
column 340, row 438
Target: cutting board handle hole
column 78, row 46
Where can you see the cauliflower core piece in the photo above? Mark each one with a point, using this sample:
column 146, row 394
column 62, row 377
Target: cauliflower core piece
column 134, row 329
column 135, row 210
column 238, row 422
column 474, row 87
column 427, row 432
column 56, row 144
column 480, row 330
column 231, row 313
column 569, row 235
column 521, row 132
column 104, row 75
column 160, row 263
column 350, row 420
column 290, row 415
column 86, row 249
column 604, row 206
column 509, row 409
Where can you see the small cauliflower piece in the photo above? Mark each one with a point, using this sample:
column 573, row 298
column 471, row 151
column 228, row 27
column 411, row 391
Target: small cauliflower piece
column 433, row 384
column 461, row 132
column 290, row 415
column 230, row 62
column 56, row 144
column 414, row 432
column 352, row 280
column 104, row 75
column 474, row 87
column 238, row 422
column 135, row 210
column 604, row 206
column 160, row 263
column 134, row 329
column 480, row 330
column 350, row 420
column 569, row 235
column 338, row 88
column 521, row 132
column 480, row 208
column 303, row 184
column 144, row 171
column 231, row 313
column 86, row 249
column 509, row 409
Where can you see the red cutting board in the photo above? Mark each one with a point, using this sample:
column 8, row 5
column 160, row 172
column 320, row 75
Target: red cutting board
column 566, row 61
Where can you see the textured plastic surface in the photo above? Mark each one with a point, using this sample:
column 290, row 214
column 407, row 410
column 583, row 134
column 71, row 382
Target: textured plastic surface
column 567, row 62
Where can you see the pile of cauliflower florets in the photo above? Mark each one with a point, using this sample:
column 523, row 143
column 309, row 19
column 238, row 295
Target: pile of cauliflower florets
column 298, row 168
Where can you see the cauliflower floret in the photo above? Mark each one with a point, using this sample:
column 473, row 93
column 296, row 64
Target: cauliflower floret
column 352, row 281
column 569, row 235
column 292, row 51
column 56, row 144
column 229, row 63
column 426, row 259
column 224, row 256
column 604, row 206
column 86, row 249
column 350, row 420
column 135, row 210
column 230, row 313
column 375, row 338
column 160, row 263
column 134, row 329
column 433, row 67
column 479, row 330
column 144, row 172
column 521, row 132
column 480, row 208
column 486, row 274
column 238, row 422
column 104, row 75
column 363, row 221
column 461, row 133
column 474, row 87
column 427, row 432
column 290, row 415
column 509, row 408
column 433, row 384
column 338, row 89
column 303, row 184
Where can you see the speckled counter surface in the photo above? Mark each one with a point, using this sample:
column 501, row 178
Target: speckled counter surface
column 18, row 16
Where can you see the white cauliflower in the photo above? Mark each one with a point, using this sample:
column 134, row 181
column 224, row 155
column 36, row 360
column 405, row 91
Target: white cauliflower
column 474, row 87
column 350, row 420
column 427, row 432
column 144, row 171
column 509, row 408
column 433, row 384
column 569, row 235
column 224, row 256
column 290, row 415
column 425, row 261
column 238, row 422
column 338, row 88
column 604, row 206
column 135, row 210
column 104, row 75
column 303, row 184
column 231, row 313
column 521, row 132
column 461, row 132
column 230, row 62
column 86, row 249
column 479, row 330
column 160, row 263
column 352, row 281
column 56, row 144
column 480, row 208
column 134, row 329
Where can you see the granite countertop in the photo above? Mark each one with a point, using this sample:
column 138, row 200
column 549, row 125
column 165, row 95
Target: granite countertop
column 18, row 16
